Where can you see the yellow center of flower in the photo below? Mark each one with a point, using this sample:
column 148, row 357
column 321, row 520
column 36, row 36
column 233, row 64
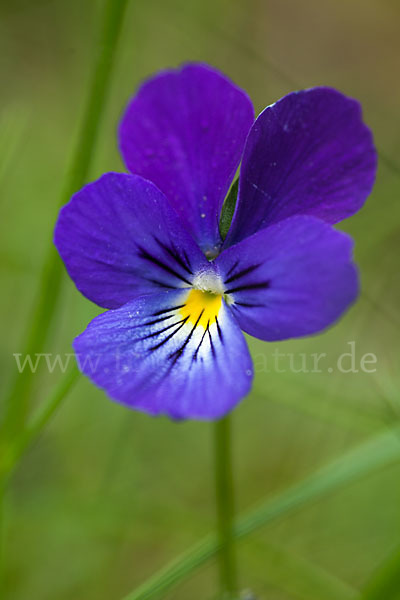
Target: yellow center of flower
column 201, row 307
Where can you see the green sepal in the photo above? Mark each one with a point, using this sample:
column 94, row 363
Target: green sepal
column 228, row 209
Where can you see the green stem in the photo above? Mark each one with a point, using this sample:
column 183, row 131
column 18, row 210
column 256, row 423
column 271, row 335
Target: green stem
column 225, row 508
column 51, row 278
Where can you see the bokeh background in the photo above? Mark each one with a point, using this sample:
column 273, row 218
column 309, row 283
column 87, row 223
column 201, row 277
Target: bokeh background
column 107, row 496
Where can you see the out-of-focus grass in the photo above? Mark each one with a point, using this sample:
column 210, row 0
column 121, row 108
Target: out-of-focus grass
column 107, row 496
column 13, row 126
column 383, row 450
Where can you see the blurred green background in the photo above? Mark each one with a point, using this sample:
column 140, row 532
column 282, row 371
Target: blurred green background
column 107, row 496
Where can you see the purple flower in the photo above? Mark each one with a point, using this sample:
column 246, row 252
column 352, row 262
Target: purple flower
column 141, row 244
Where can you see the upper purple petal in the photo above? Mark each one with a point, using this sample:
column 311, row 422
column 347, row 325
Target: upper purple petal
column 292, row 279
column 147, row 356
column 185, row 130
column 310, row 153
column 120, row 238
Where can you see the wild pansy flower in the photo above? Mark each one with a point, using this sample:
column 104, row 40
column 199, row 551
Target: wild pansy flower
column 148, row 245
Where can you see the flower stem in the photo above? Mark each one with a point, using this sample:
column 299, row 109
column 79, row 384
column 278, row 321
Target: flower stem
column 51, row 278
column 2, row 533
column 225, row 509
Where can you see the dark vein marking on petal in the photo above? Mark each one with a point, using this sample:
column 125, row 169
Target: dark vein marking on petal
column 173, row 253
column 251, row 286
column 167, row 310
column 241, row 273
column 162, row 284
column 248, row 305
column 221, row 337
column 168, row 337
column 233, row 267
column 177, row 353
column 156, row 261
column 194, row 357
column 154, row 321
column 155, row 333
column 211, row 344
column 186, row 257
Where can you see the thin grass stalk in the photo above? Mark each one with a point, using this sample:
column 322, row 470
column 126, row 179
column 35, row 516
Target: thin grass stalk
column 17, row 402
column 225, row 508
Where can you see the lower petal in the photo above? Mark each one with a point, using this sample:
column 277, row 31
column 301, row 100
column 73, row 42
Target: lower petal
column 292, row 279
column 172, row 353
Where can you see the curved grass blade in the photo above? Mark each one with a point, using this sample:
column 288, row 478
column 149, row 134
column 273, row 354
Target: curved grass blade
column 296, row 576
column 376, row 453
column 385, row 583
